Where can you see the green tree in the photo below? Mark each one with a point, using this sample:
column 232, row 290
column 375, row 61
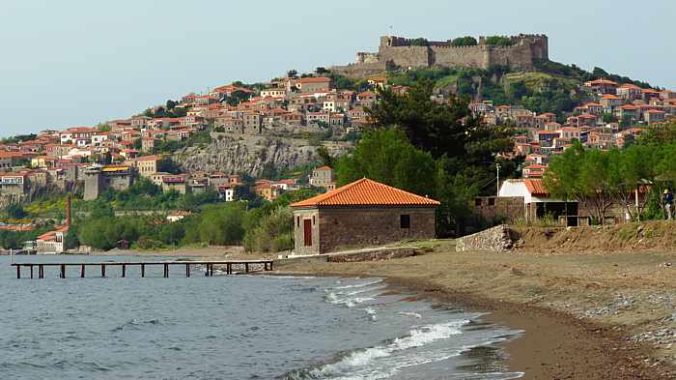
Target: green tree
column 15, row 211
column 464, row 41
column 222, row 224
column 498, row 41
column 386, row 156
column 443, row 129
column 325, row 157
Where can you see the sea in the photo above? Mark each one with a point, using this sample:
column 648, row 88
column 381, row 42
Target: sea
column 233, row 327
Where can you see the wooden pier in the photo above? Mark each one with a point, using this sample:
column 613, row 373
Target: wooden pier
column 230, row 267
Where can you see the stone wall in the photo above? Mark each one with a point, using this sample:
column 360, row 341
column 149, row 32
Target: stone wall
column 93, row 185
column 360, row 70
column 402, row 52
column 511, row 209
column 469, row 56
column 406, row 56
column 373, row 255
column 496, row 239
column 345, row 228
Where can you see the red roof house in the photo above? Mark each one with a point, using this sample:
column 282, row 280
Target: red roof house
column 362, row 213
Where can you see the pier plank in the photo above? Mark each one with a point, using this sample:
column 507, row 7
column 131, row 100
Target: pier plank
column 247, row 265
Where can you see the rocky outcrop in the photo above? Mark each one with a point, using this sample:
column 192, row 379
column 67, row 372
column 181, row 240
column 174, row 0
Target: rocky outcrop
column 496, row 239
column 249, row 154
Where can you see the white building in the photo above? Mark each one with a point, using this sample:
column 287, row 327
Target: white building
column 226, row 193
column 537, row 200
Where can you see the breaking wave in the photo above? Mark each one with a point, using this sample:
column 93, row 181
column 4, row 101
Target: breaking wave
column 383, row 361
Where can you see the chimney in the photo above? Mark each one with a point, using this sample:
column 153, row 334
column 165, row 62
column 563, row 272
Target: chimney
column 69, row 205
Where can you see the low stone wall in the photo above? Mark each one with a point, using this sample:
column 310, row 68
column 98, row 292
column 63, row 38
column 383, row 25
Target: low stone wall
column 373, row 255
column 496, row 239
column 367, row 254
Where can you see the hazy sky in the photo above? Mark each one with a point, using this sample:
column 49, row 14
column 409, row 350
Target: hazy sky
column 77, row 62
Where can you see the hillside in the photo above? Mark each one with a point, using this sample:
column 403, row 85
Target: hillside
column 251, row 154
column 549, row 87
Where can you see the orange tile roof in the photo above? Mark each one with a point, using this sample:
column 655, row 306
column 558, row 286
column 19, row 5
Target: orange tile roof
column 366, row 192
column 314, row 80
column 536, row 187
column 602, row 81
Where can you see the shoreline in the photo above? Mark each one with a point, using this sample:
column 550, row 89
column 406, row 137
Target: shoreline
column 554, row 344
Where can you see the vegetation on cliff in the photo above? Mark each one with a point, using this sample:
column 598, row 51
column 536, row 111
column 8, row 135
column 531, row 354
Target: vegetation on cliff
column 553, row 87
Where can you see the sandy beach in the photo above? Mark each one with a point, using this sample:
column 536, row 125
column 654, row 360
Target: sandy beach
column 585, row 316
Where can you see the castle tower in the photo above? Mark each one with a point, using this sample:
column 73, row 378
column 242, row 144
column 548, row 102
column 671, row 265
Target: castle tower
column 93, row 184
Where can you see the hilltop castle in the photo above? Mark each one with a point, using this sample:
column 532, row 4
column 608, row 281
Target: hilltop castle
column 519, row 53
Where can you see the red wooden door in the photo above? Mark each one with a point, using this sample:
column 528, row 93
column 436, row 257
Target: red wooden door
column 307, row 232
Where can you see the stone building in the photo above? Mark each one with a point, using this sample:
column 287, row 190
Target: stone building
column 100, row 178
column 362, row 213
column 520, row 53
column 323, row 177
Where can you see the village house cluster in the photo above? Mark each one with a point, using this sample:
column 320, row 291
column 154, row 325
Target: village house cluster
column 116, row 153
column 616, row 115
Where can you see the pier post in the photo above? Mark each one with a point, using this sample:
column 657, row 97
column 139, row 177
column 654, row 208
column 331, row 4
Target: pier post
column 246, row 267
column 82, row 271
column 103, row 270
column 63, row 271
column 124, row 270
column 18, row 271
column 166, row 270
column 31, row 271
column 41, row 271
column 143, row 270
column 228, row 268
column 271, row 262
column 187, row 270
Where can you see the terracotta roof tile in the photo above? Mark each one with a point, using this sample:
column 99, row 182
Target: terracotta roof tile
column 366, row 192
column 314, row 80
column 536, row 187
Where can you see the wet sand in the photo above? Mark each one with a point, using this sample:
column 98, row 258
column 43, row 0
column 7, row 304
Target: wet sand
column 563, row 303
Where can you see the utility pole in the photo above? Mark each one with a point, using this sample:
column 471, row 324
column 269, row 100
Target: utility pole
column 497, row 179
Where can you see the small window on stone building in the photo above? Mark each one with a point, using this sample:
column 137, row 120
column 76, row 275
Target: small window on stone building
column 477, row 201
column 405, row 221
column 298, row 221
column 491, row 201
column 313, row 220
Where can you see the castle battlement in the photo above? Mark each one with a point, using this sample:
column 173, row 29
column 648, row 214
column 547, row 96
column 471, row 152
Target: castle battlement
column 521, row 53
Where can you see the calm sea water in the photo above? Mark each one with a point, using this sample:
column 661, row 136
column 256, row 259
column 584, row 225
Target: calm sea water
column 232, row 327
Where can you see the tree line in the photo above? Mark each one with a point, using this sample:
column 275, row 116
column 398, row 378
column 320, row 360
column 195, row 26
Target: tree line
column 260, row 226
column 632, row 178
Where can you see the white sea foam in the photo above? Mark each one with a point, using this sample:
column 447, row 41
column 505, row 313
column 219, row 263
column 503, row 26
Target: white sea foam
column 410, row 314
column 350, row 298
column 359, row 285
column 371, row 314
column 372, row 362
